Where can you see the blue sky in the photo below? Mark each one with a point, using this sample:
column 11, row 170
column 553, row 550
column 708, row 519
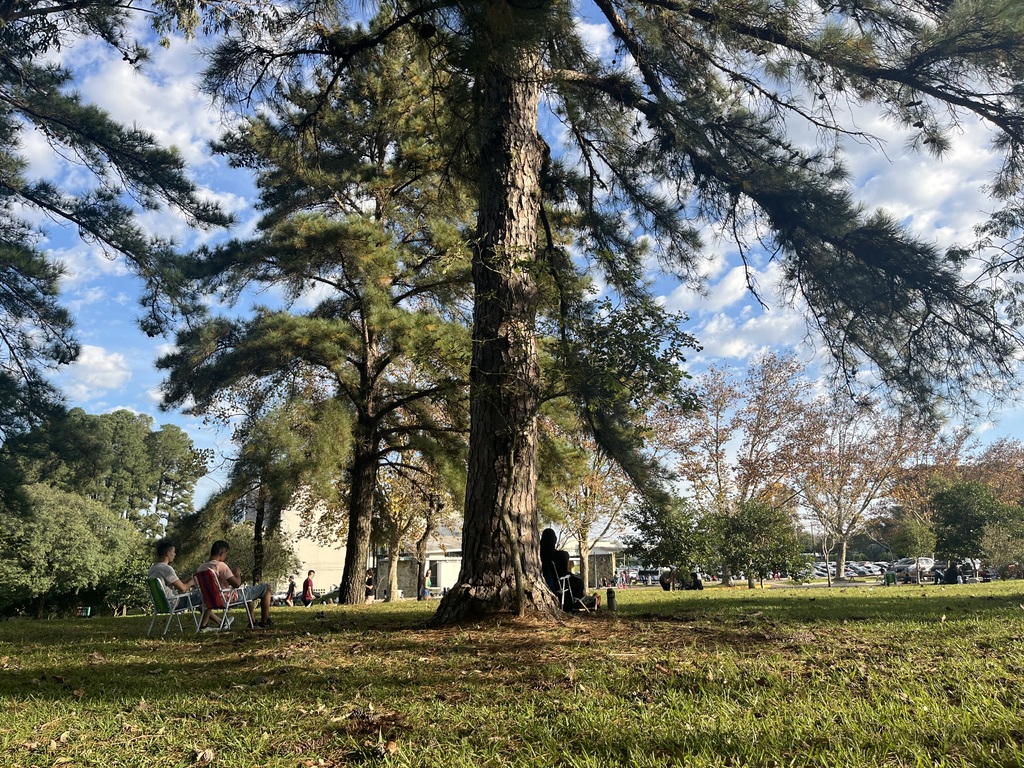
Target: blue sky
column 940, row 201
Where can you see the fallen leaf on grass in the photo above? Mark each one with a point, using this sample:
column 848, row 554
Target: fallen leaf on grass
column 386, row 749
column 65, row 737
column 202, row 756
column 78, row 692
column 96, row 658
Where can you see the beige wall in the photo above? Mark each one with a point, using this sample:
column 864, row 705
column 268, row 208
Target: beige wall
column 328, row 561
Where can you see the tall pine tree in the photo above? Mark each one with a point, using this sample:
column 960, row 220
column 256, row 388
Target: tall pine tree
column 688, row 122
column 362, row 227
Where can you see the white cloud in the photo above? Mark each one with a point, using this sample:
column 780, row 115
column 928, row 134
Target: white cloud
column 597, row 38
column 95, row 372
column 92, row 295
column 84, row 264
column 162, row 98
column 732, row 288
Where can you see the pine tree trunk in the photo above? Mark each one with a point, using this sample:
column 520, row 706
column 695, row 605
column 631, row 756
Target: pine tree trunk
column 500, row 543
column 352, row 590
column 258, row 552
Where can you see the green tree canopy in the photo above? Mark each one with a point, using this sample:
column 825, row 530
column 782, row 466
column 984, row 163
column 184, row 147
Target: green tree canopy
column 688, row 123
column 115, row 459
column 759, row 538
column 668, row 535
column 961, row 513
column 63, row 544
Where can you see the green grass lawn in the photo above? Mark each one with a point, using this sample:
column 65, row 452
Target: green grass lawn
column 903, row 676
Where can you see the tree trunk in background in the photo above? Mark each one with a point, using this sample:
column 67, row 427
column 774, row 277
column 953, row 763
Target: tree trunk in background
column 258, row 552
column 394, row 550
column 841, row 561
column 421, row 548
column 500, row 544
column 584, row 553
column 352, row 590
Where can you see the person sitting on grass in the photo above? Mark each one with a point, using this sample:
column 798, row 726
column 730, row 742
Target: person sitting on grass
column 232, row 577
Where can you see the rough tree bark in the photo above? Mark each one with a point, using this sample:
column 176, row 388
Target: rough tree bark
column 352, row 590
column 258, row 547
column 500, row 546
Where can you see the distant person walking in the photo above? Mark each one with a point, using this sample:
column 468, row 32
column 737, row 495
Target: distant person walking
column 370, row 592
column 289, row 598
column 307, row 590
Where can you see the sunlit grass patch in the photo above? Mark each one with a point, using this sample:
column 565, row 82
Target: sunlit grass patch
column 900, row 676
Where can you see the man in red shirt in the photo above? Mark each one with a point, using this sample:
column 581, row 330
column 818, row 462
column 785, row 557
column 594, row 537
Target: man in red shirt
column 307, row 590
column 232, row 577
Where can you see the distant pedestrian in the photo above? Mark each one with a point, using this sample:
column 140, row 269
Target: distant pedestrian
column 307, row 590
column 289, row 598
column 369, row 585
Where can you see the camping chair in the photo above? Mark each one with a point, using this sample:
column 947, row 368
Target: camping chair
column 218, row 599
column 559, row 585
column 173, row 606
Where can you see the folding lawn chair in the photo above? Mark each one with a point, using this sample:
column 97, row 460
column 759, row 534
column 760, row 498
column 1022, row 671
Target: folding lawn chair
column 173, row 606
column 218, row 599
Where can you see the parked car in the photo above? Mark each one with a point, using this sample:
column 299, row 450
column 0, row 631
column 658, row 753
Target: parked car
column 927, row 571
column 906, row 563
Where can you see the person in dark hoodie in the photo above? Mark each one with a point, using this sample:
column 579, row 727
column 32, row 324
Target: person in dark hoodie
column 554, row 565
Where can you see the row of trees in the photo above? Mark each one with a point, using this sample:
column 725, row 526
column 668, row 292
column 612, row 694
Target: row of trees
column 409, row 183
column 765, row 459
column 95, row 490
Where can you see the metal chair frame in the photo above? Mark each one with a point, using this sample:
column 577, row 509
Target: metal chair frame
column 172, row 605
column 218, row 599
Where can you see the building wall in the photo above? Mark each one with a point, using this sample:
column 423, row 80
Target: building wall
column 602, row 566
column 444, row 571
column 327, row 560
